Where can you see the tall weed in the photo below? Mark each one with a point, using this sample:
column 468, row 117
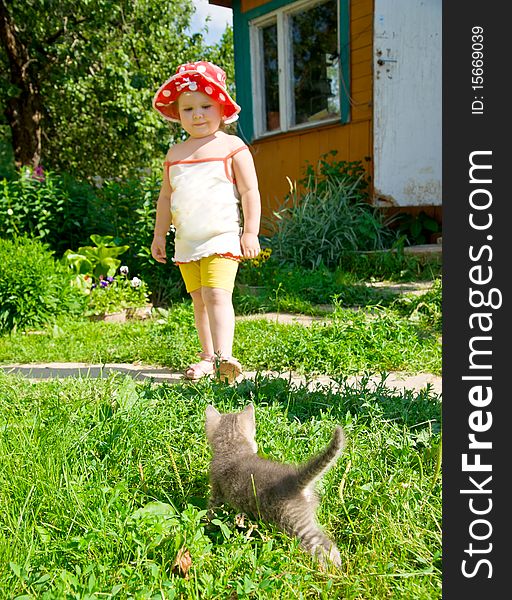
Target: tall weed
column 318, row 226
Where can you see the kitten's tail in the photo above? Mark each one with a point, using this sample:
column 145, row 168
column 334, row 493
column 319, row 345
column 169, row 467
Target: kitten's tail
column 315, row 467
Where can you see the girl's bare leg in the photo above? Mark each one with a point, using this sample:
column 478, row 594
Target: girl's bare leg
column 202, row 322
column 221, row 318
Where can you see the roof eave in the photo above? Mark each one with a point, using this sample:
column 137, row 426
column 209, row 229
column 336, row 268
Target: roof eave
column 224, row 3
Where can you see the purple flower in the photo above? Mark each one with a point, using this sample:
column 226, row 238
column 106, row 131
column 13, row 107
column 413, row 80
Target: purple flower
column 110, row 279
column 38, row 173
column 103, row 283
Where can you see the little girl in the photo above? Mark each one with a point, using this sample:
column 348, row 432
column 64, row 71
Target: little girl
column 205, row 180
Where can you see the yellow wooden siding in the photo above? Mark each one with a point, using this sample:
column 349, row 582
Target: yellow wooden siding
column 285, row 155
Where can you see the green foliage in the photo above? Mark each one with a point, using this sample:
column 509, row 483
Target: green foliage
column 349, row 341
column 319, row 226
column 253, row 271
column 393, row 265
column 127, row 210
column 7, row 168
column 104, row 482
column 114, row 294
column 416, row 229
column 328, row 170
column 50, row 207
column 99, row 261
column 297, row 289
column 426, row 307
column 64, row 213
column 34, row 288
column 95, row 269
column 326, row 215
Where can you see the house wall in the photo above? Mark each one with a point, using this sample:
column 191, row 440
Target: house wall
column 282, row 155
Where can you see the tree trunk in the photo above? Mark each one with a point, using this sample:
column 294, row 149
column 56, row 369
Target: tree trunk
column 24, row 117
column 22, row 111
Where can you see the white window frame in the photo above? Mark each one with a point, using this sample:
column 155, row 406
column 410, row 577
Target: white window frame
column 281, row 17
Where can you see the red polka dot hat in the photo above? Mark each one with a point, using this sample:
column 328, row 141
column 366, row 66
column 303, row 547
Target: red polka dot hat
column 199, row 76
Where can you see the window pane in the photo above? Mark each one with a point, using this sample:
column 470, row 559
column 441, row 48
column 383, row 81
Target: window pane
column 271, row 77
column 315, row 85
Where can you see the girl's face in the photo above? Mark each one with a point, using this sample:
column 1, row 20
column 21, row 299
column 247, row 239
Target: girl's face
column 200, row 116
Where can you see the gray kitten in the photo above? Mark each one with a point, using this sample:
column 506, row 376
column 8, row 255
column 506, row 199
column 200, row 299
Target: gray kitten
column 279, row 493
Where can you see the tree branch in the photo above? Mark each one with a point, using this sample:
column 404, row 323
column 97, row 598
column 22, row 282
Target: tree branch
column 63, row 30
column 17, row 53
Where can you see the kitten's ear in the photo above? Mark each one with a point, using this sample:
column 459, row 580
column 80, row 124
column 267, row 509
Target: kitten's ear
column 249, row 411
column 247, row 423
column 211, row 411
column 212, row 419
column 249, row 419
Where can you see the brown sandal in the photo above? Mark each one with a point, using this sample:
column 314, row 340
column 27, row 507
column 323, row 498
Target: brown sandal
column 227, row 369
column 199, row 370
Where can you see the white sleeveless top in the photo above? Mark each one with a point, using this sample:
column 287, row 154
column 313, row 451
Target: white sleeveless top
column 205, row 208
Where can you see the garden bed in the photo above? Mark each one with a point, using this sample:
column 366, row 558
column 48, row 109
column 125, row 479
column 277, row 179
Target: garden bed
column 121, row 316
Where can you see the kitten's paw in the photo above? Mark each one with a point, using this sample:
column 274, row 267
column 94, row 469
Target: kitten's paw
column 334, row 556
column 328, row 556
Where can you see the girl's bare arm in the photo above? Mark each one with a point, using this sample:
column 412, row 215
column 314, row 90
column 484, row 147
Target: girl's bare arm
column 247, row 185
column 163, row 219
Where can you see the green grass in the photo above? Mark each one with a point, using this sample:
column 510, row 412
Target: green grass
column 352, row 341
column 104, row 481
column 85, row 461
column 301, row 290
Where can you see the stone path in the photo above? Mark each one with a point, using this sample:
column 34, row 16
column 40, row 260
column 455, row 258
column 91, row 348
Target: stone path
column 39, row 371
column 395, row 380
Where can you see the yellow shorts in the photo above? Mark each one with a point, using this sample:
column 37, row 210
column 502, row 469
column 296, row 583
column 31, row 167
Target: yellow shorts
column 210, row 271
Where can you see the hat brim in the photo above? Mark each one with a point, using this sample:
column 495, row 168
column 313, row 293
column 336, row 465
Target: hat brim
column 164, row 101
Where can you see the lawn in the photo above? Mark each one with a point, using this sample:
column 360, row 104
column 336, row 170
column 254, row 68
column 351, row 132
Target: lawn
column 401, row 337
column 104, row 482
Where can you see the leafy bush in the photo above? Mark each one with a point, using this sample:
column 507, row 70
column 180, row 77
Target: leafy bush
column 34, row 288
column 64, row 213
column 164, row 280
column 47, row 206
column 329, row 170
column 416, row 229
column 116, row 205
column 95, row 268
column 322, row 224
column 99, row 260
